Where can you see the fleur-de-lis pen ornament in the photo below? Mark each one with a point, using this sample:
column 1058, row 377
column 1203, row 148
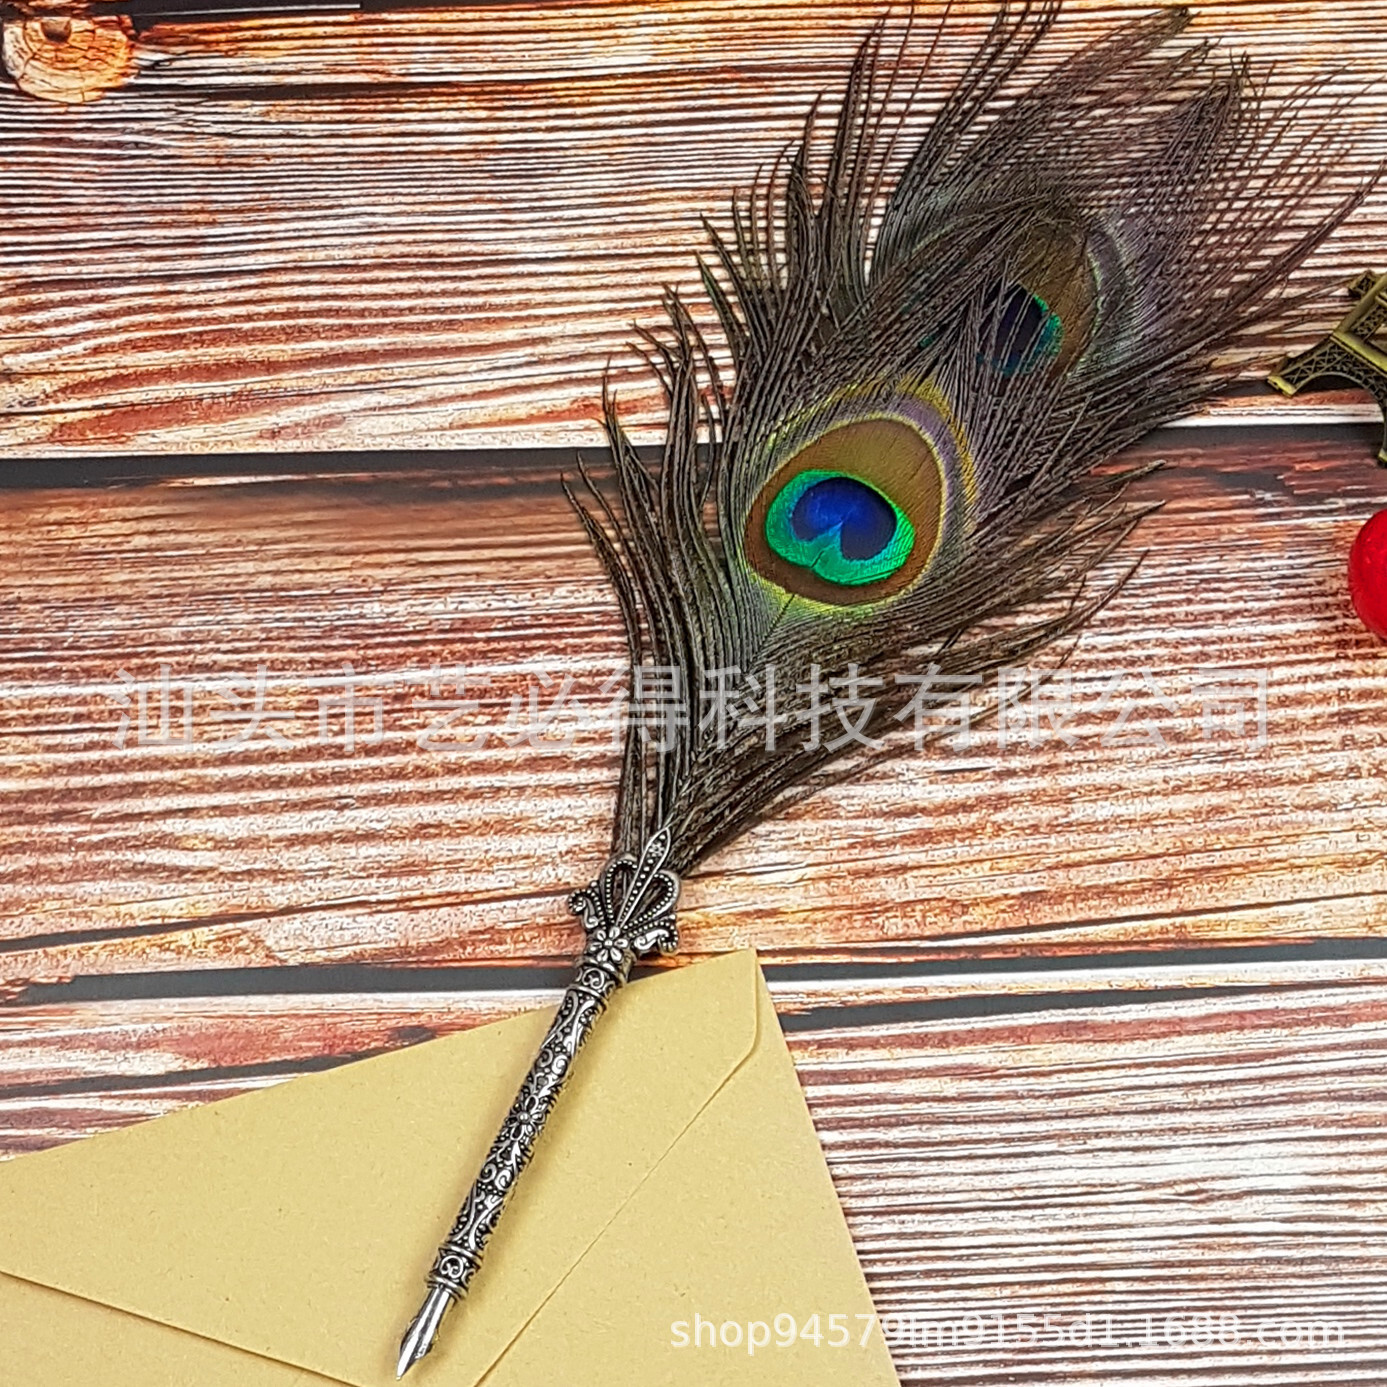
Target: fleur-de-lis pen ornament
column 941, row 324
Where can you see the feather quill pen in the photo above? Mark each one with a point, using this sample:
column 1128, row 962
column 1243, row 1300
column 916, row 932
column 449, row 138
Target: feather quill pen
column 942, row 324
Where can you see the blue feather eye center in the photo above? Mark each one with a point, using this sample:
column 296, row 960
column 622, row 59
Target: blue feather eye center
column 852, row 516
column 839, row 527
column 863, row 521
column 1029, row 332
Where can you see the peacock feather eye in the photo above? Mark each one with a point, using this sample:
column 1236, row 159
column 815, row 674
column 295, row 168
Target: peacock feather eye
column 1028, row 332
column 1044, row 317
column 852, row 516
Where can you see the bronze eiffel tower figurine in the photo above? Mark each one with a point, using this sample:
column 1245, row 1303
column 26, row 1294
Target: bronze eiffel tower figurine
column 1348, row 351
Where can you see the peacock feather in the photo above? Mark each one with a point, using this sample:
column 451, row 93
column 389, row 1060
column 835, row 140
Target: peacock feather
column 942, row 325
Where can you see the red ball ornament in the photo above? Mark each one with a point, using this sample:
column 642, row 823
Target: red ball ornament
column 1367, row 574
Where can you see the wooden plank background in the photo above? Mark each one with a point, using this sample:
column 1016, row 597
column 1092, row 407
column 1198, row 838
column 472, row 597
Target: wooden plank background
column 433, row 229
column 1091, row 1027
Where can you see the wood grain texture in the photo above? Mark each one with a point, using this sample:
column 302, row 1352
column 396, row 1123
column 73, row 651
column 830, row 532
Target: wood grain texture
column 436, row 228
column 1215, row 1157
column 54, row 1051
column 134, row 858
column 1200, row 1155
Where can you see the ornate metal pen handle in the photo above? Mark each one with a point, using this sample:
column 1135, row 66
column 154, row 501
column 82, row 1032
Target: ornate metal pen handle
column 628, row 913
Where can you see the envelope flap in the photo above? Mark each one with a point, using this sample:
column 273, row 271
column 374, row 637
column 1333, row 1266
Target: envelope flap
column 297, row 1222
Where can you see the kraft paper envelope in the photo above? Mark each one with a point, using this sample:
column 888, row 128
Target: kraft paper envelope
column 280, row 1239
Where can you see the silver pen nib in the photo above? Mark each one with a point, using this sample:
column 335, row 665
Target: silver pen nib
column 423, row 1330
